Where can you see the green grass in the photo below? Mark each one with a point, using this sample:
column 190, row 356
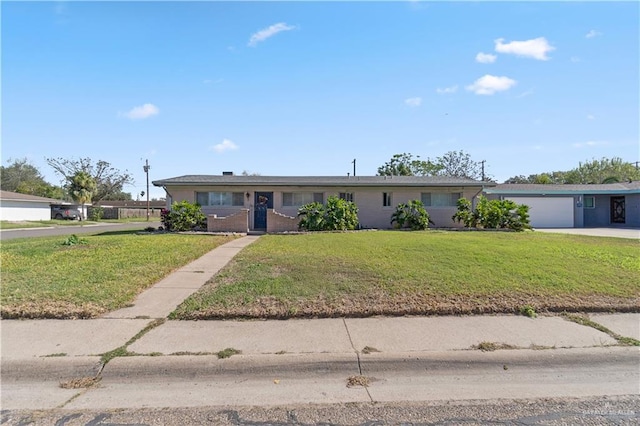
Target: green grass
column 42, row 278
column 366, row 273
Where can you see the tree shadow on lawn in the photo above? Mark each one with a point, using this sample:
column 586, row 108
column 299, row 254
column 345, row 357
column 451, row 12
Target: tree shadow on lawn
column 125, row 232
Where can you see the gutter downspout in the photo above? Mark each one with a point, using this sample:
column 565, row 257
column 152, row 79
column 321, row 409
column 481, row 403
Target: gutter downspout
column 169, row 197
column 473, row 199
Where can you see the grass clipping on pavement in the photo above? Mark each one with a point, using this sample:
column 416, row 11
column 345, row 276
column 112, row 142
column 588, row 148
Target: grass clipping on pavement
column 50, row 278
column 418, row 273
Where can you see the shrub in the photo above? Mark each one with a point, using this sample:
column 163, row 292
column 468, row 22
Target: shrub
column 183, row 216
column 411, row 215
column 96, row 213
column 336, row 215
column 493, row 214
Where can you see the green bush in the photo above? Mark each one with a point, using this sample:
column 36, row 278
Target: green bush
column 336, row 215
column 184, row 216
column 493, row 214
column 411, row 215
column 96, row 213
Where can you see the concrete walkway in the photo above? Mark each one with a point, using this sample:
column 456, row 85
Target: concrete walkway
column 176, row 362
column 165, row 296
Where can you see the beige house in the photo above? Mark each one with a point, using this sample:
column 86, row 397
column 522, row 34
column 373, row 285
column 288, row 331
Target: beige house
column 270, row 203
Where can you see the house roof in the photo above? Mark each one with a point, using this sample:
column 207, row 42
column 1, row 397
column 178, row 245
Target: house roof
column 564, row 189
column 341, row 181
column 15, row 196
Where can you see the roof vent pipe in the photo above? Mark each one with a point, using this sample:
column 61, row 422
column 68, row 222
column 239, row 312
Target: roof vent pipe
column 227, row 173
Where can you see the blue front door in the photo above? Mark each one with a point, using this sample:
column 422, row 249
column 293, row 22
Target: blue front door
column 262, row 202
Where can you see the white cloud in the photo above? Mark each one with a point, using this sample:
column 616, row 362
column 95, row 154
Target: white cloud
column 589, row 144
column 446, row 90
column 142, row 112
column 591, row 117
column 592, row 34
column 525, row 93
column 575, row 59
column 413, row 102
column 264, row 34
column 225, row 145
column 485, row 58
column 536, row 48
column 490, row 84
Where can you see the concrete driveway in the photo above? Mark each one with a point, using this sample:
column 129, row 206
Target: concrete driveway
column 633, row 233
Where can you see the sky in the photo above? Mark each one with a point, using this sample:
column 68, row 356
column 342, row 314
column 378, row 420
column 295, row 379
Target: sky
column 304, row 88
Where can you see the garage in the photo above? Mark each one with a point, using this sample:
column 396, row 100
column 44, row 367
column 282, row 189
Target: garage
column 548, row 212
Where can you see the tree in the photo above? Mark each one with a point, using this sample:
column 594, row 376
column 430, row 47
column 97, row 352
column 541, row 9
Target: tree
column 604, row 170
column 23, row 177
column 453, row 163
column 405, row 165
column 459, row 164
column 108, row 179
column 81, row 187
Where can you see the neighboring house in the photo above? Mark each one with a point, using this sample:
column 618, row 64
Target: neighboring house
column 19, row 207
column 270, row 203
column 576, row 206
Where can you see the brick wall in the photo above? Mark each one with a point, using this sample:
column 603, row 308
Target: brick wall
column 236, row 222
column 278, row 222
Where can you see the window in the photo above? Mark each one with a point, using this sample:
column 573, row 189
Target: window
column 220, row 198
column 440, row 199
column 386, row 199
column 589, row 202
column 347, row 196
column 297, row 199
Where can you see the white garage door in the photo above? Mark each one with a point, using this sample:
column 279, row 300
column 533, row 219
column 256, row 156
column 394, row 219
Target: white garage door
column 548, row 212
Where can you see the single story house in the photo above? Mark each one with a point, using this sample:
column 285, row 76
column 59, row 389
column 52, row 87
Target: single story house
column 18, row 207
column 270, row 203
column 575, row 206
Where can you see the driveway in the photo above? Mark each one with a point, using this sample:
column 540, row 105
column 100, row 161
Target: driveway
column 633, row 233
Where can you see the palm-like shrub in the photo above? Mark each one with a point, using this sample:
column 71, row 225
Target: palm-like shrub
column 411, row 215
column 336, row 215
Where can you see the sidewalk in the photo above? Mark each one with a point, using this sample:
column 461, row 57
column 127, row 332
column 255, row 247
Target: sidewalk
column 176, row 362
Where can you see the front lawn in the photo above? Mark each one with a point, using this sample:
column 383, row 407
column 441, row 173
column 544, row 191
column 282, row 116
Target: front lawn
column 433, row 272
column 42, row 278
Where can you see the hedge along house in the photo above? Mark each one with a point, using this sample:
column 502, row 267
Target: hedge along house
column 270, row 203
column 576, row 206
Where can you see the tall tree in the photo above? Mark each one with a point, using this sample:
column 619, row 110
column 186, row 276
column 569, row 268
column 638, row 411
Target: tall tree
column 81, row 187
column 459, row 164
column 453, row 163
column 604, row 170
column 25, row 178
column 108, row 179
column 405, row 165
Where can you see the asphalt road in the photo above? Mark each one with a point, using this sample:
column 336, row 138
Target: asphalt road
column 620, row 410
column 10, row 234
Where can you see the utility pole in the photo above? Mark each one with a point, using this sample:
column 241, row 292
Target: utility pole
column 482, row 162
column 146, row 168
column 354, row 166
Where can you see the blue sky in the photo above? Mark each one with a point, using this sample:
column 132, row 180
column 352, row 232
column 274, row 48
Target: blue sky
column 303, row 88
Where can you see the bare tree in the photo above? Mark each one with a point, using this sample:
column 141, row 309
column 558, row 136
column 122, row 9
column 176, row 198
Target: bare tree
column 108, row 179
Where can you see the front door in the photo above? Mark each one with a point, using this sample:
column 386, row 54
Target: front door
column 262, row 202
column 617, row 210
